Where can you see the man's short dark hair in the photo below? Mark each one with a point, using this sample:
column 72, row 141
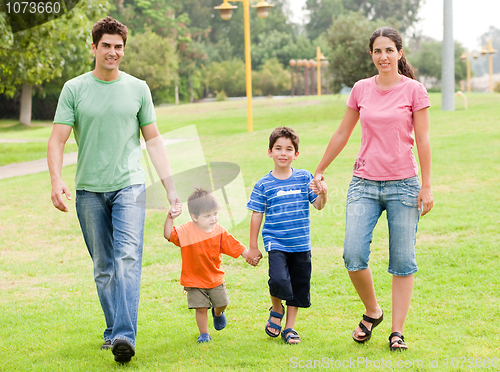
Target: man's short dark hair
column 286, row 133
column 202, row 201
column 109, row 26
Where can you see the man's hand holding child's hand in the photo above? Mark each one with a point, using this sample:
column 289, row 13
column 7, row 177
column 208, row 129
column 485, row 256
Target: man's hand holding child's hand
column 175, row 211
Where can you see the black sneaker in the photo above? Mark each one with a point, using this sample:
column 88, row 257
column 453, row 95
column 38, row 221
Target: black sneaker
column 123, row 351
column 106, row 345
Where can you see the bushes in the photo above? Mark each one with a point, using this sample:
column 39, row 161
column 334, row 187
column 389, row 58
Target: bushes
column 497, row 87
column 272, row 79
column 230, row 77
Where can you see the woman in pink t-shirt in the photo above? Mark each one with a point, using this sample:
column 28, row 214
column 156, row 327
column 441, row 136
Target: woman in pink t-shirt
column 393, row 111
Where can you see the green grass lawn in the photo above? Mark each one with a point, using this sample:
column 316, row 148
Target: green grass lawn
column 34, row 148
column 51, row 317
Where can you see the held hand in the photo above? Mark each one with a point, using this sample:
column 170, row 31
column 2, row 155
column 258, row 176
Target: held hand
column 425, row 200
column 58, row 189
column 323, row 189
column 175, row 211
column 253, row 254
column 173, row 199
column 317, row 183
column 256, row 260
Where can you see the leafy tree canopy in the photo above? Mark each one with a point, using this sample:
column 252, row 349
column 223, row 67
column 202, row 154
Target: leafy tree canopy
column 348, row 53
column 158, row 68
column 427, row 60
column 322, row 12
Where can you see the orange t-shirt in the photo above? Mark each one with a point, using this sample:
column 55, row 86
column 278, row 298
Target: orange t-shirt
column 201, row 254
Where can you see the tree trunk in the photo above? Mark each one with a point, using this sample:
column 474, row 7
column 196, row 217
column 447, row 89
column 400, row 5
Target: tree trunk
column 25, row 114
column 191, row 100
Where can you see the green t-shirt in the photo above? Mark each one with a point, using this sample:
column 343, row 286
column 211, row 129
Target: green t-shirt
column 106, row 117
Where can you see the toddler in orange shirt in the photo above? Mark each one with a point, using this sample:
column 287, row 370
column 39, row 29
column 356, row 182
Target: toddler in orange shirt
column 202, row 242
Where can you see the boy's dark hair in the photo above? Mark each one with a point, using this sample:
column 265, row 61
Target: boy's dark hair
column 201, row 201
column 109, row 26
column 286, row 133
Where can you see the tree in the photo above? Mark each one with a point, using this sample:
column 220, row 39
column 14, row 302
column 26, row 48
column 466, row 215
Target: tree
column 427, row 61
column 39, row 54
column 158, row 68
column 157, row 16
column 402, row 13
column 321, row 13
column 272, row 79
column 227, row 76
column 348, row 52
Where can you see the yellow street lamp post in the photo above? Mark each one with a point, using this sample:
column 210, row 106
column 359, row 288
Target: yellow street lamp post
column 466, row 57
column 226, row 11
column 490, row 51
column 320, row 60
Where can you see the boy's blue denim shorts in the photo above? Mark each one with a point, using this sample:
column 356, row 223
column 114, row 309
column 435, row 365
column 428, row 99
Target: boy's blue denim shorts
column 366, row 200
column 290, row 277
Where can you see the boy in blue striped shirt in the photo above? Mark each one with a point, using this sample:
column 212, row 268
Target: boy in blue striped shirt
column 283, row 195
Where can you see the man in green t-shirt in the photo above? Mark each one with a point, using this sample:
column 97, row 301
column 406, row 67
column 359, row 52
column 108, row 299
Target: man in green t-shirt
column 108, row 109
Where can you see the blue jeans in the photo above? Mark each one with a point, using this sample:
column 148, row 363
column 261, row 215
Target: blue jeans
column 113, row 228
column 366, row 200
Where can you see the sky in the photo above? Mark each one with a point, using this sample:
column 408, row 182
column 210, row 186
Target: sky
column 469, row 22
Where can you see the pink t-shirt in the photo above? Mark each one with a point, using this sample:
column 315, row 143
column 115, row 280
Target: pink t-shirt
column 386, row 118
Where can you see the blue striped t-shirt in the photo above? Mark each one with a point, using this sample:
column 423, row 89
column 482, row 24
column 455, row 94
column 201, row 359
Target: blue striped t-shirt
column 285, row 204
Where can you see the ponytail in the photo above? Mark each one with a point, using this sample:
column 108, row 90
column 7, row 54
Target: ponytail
column 405, row 68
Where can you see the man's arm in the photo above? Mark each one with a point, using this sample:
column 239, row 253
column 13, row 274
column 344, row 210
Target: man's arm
column 159, row 157
column 253, row 251
column 55, row 152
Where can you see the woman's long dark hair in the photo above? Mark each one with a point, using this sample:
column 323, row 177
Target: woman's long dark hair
column 404, row 67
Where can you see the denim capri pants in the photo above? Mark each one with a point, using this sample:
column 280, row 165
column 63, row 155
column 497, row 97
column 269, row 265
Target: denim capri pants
column 366, row 200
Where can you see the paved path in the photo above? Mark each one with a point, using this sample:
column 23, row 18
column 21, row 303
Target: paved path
column 37, row 166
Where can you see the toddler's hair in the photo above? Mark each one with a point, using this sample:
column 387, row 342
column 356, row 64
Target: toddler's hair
column 201, row 201
column 286, row 133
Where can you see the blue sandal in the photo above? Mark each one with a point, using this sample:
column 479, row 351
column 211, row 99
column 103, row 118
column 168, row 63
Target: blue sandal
column 219, row 321
column 290, row 334
column 204, row 337
column 274, row 314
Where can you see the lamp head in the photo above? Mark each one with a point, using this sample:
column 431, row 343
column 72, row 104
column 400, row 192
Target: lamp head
column 226, row 10
column 293, row 62
column 262, row 8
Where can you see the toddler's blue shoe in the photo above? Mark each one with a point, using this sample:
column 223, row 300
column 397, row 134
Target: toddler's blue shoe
column 219, row 321
column 204, row 337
